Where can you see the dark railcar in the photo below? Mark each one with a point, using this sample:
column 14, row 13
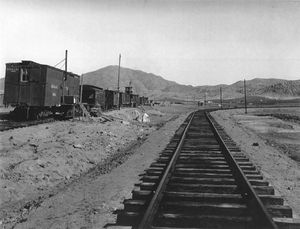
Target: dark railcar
column 1, row 99
column 116, row 99
column 121, row 98
column 109, row 99
column 143, row 100
column 93, row 96
column 135, row 101
column 38, row 87
column 124, row 99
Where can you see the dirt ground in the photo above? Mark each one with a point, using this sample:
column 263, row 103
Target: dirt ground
column 277, row 133
column 73, row 174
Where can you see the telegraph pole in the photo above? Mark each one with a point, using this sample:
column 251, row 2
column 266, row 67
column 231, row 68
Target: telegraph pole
column 221, row 102
column 119, row 81
column 66, row 62
column 81, row 87
column 245, row 96
column 65, row 76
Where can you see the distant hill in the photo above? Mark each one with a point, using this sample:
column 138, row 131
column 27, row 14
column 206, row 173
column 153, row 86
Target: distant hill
column 157, row 87
column 142, row 82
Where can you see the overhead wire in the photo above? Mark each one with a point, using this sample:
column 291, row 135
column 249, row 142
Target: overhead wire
column 59, row 62
column 62, row 66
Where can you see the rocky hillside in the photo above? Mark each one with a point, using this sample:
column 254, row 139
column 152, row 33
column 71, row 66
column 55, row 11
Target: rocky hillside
column 142, row 82
column 156, row 87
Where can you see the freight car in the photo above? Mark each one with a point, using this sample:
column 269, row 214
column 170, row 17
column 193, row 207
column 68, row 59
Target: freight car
column 124, row 99
column 135, row 101
column 116, row 99
column 111, row 99
column 121, row 98
column 36, row 90
column 144, row 100
column 93, row 96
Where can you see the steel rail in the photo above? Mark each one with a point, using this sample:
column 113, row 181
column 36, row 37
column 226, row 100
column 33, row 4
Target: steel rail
column 146, row 222
column 261, row 217
column 15, row 125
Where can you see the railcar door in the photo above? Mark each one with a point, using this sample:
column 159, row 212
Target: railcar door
column 24, row 87
column 37, row 86
column 11, row 89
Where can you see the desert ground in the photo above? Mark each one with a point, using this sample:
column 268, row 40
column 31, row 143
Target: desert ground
column 65, row 174
column 271, row 139
column 76, row 174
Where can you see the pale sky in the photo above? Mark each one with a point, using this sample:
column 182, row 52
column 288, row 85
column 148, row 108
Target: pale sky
column 190, row 42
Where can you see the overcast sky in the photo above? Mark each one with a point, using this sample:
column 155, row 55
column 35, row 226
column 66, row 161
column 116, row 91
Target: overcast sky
column 190, row 42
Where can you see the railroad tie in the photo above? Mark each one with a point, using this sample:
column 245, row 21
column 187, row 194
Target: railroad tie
column 203, row 180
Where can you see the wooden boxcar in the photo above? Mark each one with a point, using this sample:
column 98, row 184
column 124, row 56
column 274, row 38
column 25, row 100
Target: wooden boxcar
column 135, row 101
column 143, row 100
column 127, row 100
column 116, row 99
column 39, row 87
column 124, row 99
column 109, row 99
column 121, row 98
column 93, row 96
column 1, row 99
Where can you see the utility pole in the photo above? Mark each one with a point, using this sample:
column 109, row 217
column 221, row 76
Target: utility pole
column 81, row 87
column 65, row 76
column 66, row 62
column 221, row 102
column 245, row 96
column 119, row 81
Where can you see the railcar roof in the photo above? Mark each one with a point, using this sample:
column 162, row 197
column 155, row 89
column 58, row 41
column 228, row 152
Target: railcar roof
column 29, row 62
column 92, row 86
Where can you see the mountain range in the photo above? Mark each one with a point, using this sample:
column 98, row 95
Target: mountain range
column 157, row 87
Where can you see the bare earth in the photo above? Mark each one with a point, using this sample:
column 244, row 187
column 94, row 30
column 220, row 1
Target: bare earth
column 277, row 132
column 74, row 174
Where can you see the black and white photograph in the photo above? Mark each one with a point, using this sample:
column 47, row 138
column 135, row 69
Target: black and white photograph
column 149, row 114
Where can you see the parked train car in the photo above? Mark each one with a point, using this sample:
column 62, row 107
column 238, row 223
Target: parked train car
column 121, row 99
column 111, row 101
column 116, row 99
column 144, row 100
column 124, row 99
column 37, row 89
column 127, row 100
column 135, row 101
column 1, row 99
column 93, row 96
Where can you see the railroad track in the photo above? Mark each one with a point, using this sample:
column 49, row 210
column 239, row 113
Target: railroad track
column 9, row 125
column 203, row 180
